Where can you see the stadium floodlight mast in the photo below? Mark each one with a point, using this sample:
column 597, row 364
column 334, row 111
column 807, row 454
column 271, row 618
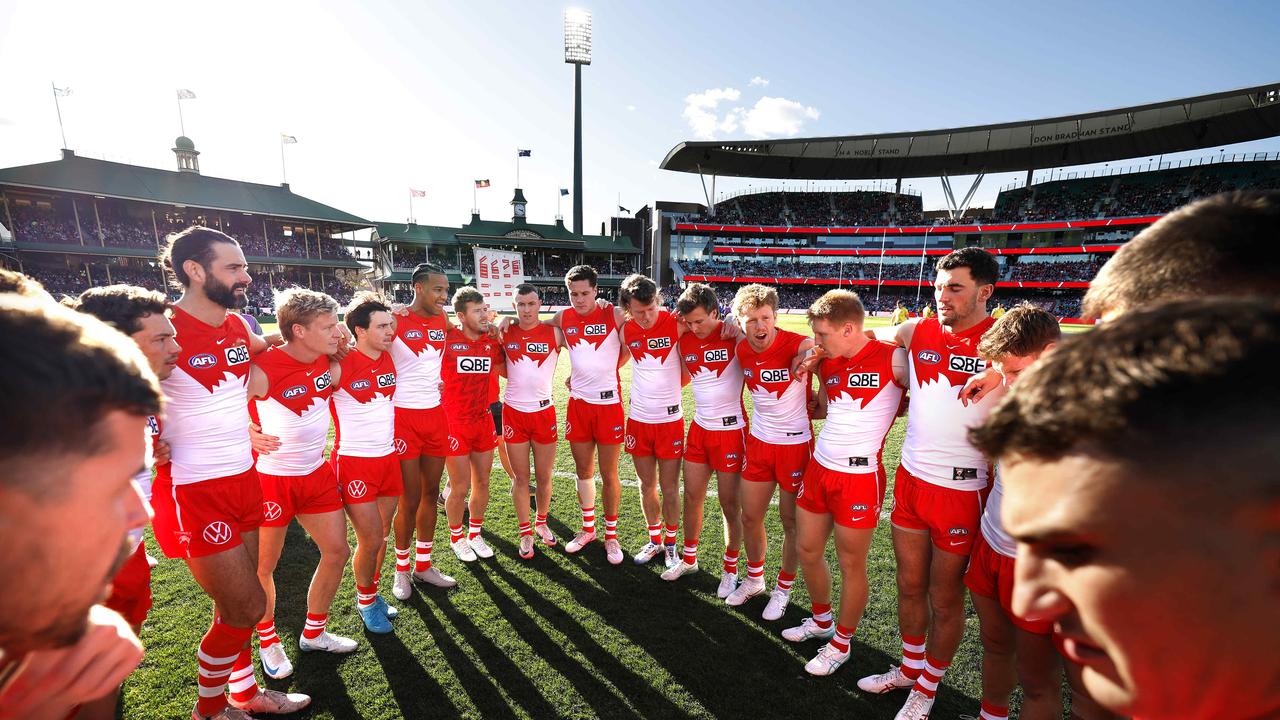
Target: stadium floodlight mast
column 577, row 52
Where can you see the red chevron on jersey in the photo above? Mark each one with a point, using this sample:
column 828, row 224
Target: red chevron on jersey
column 713, row 355
column 420, row 333
column 590, row 329
column 859, row 378
column 770, row 371
column 365, row 378
column 656, row 342
column 209, row 354
column 536, row 344
column 295, row 385
column 938, row 354
column 466, row 370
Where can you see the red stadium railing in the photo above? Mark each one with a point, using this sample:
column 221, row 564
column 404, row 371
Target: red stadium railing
column 874, row 252
column 868, row 281
column 918, row 230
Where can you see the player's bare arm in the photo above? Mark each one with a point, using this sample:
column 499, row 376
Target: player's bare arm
column 263, row 444
column 901, row 371
column 979, row 386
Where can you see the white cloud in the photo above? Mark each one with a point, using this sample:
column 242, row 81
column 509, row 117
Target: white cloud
column 769, row 117
column 700, row 110
column 773, row 117
column 759, row 81
column 631, row 108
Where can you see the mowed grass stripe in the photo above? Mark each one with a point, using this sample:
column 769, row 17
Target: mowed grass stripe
column 560, row 635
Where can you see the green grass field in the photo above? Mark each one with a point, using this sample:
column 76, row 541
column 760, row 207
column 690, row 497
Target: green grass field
column 559, row 635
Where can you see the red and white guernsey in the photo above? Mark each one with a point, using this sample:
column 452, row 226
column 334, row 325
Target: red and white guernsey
column 364, row 419
column 593, row 355
column 417, row 351
column 715, row 376
column 206, row 421
column 655, row 370
column 296, row 410
column 781, row 404
column 862, row 400
column 531, row 365
column 467, row 369
column 992, row 526
column 937, row 448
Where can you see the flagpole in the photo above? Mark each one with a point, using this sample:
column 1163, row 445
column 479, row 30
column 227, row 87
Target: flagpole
column 58, row 106
column 182, row 125
column 283, row 172
column 517, row 167
column 411, row 222
column 475, row 202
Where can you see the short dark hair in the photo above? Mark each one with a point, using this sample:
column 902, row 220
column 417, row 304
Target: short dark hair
column 698, row 295
column 122, row 306
column 464, row 295
column 362, row 307
column 1024, row 330
column 12, row 281
column 582, row 272
column 194, row 243
column 639, row 288
column 424, row 270
column 1167, row 391
column 1221, row 245
column 982, row 265
column 69, row 371
column 526, row 288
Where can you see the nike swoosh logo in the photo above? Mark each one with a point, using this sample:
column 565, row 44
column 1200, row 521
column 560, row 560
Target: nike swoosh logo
column 222, row 341
column 860, row 518
column 956, row 543
column 313, row 372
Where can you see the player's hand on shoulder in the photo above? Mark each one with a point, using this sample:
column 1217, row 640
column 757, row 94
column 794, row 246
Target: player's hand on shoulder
column 979, row 386
column 399, row 309
column 263, row 444
column 729, row 329
column 92, row 667
column 161, row 453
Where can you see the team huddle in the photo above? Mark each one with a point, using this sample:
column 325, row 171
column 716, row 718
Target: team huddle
column 1023, row 476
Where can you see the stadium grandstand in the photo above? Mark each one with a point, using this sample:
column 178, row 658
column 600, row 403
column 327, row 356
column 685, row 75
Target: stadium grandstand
column 1051, row 233
column 78, row 222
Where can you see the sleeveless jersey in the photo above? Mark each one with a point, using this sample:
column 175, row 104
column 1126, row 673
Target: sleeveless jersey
column 655, row 370
column 531, row 364
column 364, row 418
column 715, row 376
column 992, row 527
column 862, row 400
column 937, row 448
column 467, row 367
column 416, row 352
column 295, row 409
column 593, row 355
column 207, row 413
column 781, row 404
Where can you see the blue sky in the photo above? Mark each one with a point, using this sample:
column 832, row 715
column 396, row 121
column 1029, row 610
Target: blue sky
column 384, row 96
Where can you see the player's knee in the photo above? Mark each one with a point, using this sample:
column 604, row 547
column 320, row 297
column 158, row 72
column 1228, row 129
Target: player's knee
column 946, row 605
column 337, row 553
column 996, row 642
column 911, row 587
column 810, row 552
column 247, row 610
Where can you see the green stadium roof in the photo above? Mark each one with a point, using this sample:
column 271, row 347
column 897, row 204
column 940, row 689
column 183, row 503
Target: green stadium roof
column 503, row 232
column 132, row 182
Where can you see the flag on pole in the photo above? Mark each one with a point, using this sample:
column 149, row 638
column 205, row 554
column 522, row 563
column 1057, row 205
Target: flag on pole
column 288, row 139
column 186, row 95
column 524, row 153
column 564, row 191
column 417, row 193
column 61, row 92
column 482, row 183
column 622, row 209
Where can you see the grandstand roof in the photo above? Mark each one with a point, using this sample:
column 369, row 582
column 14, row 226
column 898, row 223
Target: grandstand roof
column 75, row 174
column 503, row 232
column 1164, row 127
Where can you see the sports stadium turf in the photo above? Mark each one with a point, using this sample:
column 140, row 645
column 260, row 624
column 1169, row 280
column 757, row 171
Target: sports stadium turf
column 559, row 635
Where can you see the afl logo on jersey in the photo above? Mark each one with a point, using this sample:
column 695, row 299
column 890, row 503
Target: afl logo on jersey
column 514, row 347
column 459, row 347
column 360, row 385
column 293, row 392
column 832, row 381
column 203, row 360
column 717, row 355
column 595, row 330
column 571, row 331
column 691, row 358
column 929, row 357
column 412, row 334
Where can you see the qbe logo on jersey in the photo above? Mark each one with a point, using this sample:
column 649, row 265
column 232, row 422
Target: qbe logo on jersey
column 237, row 355
column 659, row 343
column 595, row 330
column 434, row 335
column 864, row 380
column 537, row 348
column 324, row 381
column 473, row 365
column 715, row 356
column 967, row 365
column 385, row 380
column 775, row 375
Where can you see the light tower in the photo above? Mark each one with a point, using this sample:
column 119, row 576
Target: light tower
column 577, row 52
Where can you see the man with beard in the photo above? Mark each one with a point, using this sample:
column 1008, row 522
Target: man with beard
column 208, row 500
column 940, row 486
column 77, row 395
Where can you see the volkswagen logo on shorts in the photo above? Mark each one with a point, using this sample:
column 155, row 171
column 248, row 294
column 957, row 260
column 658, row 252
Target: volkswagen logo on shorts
column 357, row 488
column 631, row 442
column 454, row 444
column 401, row 446
column 929, row 357
column 217, row 533
column 271, row 511
column 508, row 432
